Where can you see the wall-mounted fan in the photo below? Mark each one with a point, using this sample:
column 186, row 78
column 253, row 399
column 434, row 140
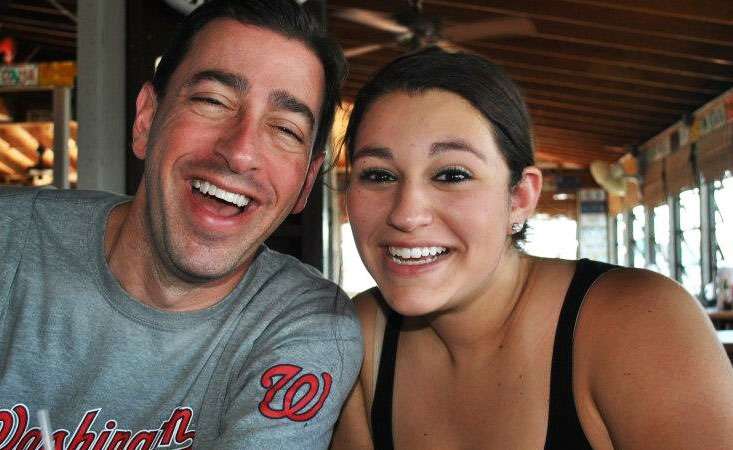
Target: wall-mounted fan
column 616, row 177
column 413, row 29
column 186, row 6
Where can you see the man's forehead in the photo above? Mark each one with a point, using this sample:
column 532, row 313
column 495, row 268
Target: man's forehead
column 256, row 54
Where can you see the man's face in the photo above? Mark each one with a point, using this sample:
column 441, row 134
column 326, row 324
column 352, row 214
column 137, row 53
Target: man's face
column 228, row 148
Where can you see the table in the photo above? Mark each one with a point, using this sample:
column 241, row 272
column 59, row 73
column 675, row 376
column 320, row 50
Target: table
column 722, row 319
column 726, row 337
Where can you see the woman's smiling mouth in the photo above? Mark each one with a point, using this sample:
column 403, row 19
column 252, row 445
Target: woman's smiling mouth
column 415, row 255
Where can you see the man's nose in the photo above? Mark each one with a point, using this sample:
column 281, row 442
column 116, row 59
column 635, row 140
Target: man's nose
column 239, row 145
column 411, row 208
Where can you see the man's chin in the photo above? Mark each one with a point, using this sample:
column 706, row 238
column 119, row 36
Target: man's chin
column 202, row 272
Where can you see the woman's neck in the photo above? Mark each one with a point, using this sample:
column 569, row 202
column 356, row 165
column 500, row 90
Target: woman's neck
column 481, row 323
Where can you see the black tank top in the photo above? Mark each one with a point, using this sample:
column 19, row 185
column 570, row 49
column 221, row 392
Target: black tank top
column 563, row 427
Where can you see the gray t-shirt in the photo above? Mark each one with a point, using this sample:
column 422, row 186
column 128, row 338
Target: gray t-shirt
column 267, row 367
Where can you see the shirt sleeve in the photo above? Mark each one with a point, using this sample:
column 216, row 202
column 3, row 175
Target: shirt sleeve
column 290, row 391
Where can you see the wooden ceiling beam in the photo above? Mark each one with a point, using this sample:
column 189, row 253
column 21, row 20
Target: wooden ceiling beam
column 37, row 30
column 565, row 142
column 625, row 136
column 362, row 71
column 583, row 98
column 579, row 156
column 706, row 11
column 539, row 66
column 542, row 154
column 663, row 67
column 629, row 43
column 44, row 24
column 603, row 68
column 577, row 149
column 611, row 140
column 607, row 20
column 650, row 119
column 586, row 119
column 692, row 101
column 34, row 9
column 621, row 58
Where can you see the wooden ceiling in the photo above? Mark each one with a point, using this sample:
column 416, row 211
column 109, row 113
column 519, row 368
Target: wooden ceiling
column 44, row 30
column 599, row 76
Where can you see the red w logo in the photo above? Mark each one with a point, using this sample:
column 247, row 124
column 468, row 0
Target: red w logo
column 298, row 411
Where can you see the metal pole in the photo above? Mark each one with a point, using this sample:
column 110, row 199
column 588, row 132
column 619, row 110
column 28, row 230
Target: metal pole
column 61, row 117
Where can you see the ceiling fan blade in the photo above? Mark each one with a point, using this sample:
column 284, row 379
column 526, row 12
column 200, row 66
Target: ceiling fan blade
column 374, row 19
column 512, row 26
column 450, row 47
column 361, row 50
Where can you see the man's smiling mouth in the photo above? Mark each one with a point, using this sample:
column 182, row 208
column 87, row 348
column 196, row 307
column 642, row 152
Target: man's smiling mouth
column 218, row 200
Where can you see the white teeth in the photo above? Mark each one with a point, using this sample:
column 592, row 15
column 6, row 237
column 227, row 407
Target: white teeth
column 209, row 189
column 405, row 253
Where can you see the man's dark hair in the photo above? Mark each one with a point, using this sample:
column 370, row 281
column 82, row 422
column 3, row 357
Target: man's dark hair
column 285, row 17
column 480, row 82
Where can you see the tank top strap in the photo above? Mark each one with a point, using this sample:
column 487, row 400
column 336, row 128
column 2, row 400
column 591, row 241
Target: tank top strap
column 563, row 427
column 383, row 392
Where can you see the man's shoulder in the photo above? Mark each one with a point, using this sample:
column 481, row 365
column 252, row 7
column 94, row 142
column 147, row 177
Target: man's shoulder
column 25, row 198
column 290, row 271
column 299, row 287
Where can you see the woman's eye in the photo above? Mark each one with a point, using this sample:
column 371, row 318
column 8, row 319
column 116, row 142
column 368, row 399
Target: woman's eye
column 453, row 175
column 376, row 176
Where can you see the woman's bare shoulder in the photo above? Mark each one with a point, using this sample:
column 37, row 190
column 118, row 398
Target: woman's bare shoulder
column 368, row 303
column 648, row 355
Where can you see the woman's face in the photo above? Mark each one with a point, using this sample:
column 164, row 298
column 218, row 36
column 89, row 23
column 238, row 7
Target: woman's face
column 428, row 200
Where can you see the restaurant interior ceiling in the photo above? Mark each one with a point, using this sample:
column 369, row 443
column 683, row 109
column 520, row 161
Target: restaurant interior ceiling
column 600, row 76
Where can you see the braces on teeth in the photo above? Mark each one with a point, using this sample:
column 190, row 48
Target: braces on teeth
column 207, row 188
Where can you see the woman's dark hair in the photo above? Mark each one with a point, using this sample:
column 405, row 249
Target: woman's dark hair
column 285, row 17
column 478, row 81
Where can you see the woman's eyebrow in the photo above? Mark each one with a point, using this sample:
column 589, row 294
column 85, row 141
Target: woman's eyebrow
column 455, row 145
column 376, row 152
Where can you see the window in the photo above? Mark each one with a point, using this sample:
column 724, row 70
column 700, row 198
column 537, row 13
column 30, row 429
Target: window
column 638, row 236
column 356, row 278
column 662, row 261
column 621, row 240
column 689, row 241
column 551, row 237
column 723, row 209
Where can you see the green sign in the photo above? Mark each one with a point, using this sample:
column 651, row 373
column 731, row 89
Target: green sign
column 19, row 75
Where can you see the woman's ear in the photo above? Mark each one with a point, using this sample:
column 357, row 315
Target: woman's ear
column 524, row 195
column 146, row 105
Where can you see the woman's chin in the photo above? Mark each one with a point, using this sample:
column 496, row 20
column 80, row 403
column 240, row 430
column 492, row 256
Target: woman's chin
column 413, row 302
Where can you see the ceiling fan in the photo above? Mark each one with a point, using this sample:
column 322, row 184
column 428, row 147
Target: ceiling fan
column 413, row 29
column 186, row 6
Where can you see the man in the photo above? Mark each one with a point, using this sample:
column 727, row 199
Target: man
column 163, row 321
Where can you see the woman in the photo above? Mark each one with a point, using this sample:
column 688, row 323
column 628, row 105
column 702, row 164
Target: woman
column 471, row 344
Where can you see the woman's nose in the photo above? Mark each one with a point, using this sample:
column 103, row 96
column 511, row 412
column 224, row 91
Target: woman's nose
column 411, row 208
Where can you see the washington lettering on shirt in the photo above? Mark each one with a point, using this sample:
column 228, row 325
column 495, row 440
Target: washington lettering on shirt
column 173, row 433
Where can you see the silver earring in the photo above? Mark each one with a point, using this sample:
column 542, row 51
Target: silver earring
column 517, row 227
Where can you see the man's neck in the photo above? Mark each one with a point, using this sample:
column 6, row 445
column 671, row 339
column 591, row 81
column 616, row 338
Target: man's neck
column 132, row 259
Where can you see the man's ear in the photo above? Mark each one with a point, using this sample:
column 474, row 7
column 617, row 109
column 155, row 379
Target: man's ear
column 310, row 179
column 525, row 195
column 146, row 105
